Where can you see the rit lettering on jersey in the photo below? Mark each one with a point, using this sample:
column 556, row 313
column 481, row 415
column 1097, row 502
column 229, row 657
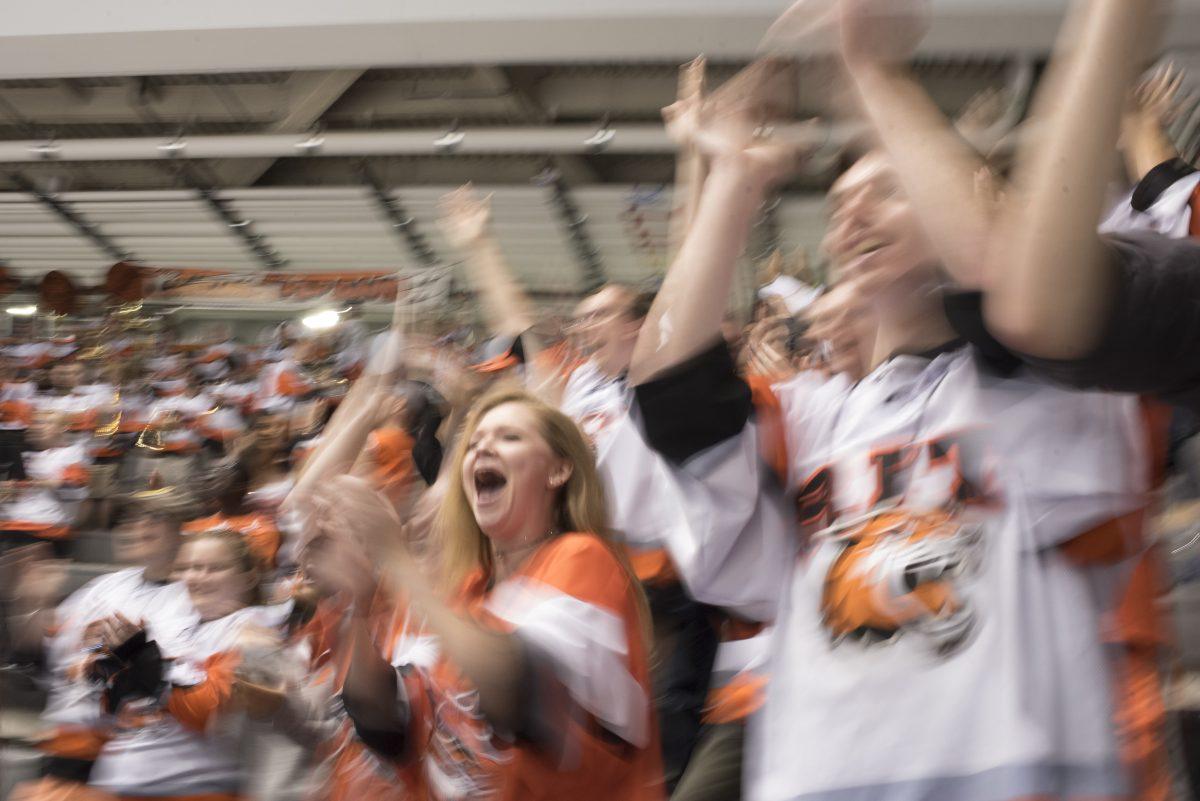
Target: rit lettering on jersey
column 886, row 528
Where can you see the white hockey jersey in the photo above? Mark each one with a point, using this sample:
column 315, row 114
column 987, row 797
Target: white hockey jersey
column 929, row 640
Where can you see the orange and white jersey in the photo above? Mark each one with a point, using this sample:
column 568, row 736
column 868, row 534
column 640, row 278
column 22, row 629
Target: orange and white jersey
column 157, row 750
column 355, row 772
column 223, row 424
column 164, row 607
column 930, row 637
column 600, row 406
column 29, row 354
column 164, row 366
column 574, row 607
column 239, row 394
column 17, row 404
column 80, row 408
column 594, row 401
column 283, row 379
column 46, row 508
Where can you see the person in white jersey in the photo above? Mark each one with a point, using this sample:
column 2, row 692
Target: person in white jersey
column 73, row 731
column 932, row 637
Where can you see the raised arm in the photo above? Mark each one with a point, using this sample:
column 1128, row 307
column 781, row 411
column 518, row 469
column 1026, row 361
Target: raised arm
column 466, row 221
column 687, row 313
column 935, row 165
column 1048, row 275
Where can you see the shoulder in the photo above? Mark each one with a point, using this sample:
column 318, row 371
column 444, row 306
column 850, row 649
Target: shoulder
column 583, row 565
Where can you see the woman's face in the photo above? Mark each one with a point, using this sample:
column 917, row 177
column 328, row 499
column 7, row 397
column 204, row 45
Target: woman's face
column 510, row 475
column 215, row 580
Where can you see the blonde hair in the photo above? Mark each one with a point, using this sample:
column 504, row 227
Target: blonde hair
column 239, row 548
column 581, row 505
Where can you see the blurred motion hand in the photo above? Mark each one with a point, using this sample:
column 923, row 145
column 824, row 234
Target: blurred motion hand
column 32, row 578
column 731, row 135
column 881, row 33
column 465, row 216
column 1155, row 96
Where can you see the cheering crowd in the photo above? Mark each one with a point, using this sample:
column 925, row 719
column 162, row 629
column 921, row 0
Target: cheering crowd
column 886, row 540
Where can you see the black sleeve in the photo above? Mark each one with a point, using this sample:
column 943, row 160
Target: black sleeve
column 1157, row 181
column 386, row 740
column 698, row 404
column 1150, row 343
column 964, row 310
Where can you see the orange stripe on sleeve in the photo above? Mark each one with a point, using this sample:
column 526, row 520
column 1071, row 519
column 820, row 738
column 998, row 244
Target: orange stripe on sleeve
column 195, row 706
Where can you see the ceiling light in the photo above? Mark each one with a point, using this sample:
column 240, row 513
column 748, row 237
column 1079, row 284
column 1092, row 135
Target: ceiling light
column 321, row 320
column 173, row 148
column 46, row 150
column 601, row 138
column 313, row 142
column 451, row 139
column 22, row 311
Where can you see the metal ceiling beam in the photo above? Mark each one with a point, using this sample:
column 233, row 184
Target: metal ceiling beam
column 403, row 223
column 524, row 98
column 586, row 252
column 518, row 140
column 241, row 226
column 72, row 217
column 315, row 93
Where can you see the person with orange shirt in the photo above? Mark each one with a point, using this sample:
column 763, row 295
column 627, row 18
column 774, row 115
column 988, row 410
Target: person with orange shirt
column 542, row 687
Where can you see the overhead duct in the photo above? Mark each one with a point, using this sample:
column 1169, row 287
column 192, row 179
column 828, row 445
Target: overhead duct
column 539, row 140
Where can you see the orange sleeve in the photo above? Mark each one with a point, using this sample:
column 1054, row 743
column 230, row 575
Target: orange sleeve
column 195, row 706
column 75, row 474
column 292, row 384
column 769, row 414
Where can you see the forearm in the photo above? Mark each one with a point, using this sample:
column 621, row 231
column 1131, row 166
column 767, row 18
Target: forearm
column 935, row 166
column 340, row 452
column 491, row 660
column 1047, row 291
column 383, row 368
column 1145, row 145
column 505, row 306
column 687, row 314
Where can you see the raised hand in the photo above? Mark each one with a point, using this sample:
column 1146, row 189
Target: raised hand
column 34, row 580
column 116, row 630
column 1155, row 96
column 881, row 33
column 731, row 134
column 465, row 216
column 982, row 112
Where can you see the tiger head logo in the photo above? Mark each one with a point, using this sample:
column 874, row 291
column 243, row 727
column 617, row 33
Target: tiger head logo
column 895, row 572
